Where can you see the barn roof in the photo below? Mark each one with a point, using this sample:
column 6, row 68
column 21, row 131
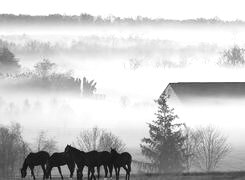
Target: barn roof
column 187, row 90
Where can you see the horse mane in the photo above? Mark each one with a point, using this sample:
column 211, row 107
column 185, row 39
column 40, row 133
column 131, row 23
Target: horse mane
column 75, row 149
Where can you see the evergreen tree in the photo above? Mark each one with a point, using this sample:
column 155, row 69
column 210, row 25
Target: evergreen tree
column 89, row 87
column 8, row 62
column 164, row 147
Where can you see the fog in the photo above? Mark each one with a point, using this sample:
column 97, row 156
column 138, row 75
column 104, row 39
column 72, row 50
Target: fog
column 130, row 73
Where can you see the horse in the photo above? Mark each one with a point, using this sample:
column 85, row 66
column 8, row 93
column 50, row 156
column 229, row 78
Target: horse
column 57, row 160
column 121, row 160
column 34, row 159
column 82, row 159
column 104, row 159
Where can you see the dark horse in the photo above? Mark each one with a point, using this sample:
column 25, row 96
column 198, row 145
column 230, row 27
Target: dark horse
column 34, row 159
column 82, row 159
column 57, row 160
column 104, row 159
column 121, row 160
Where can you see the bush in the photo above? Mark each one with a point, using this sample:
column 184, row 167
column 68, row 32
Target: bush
column 233, row 57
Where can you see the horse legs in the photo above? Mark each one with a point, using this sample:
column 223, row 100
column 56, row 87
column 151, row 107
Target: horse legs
column 92, row 173
column 89, row 170
column 118, row 173
column 80, row 172
column 60, row 172
column 48, row 172
column 117, row 170
column 32, row 172
column 44, row 172
column 106, row 170
column 98, row 172
column 110, row 166
column 71, row 167
column 127, row 171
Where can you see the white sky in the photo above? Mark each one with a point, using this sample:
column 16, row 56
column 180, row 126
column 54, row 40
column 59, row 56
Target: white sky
column 169, row 9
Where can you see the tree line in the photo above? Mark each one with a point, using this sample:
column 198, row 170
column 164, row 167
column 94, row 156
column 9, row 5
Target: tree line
column 43, row 77
column 85, row 18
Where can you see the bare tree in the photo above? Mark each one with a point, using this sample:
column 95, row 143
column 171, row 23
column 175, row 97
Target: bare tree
column 11, row 151
column 88, row 139
column 190, row 144
column 44, row 68
column 108, row 140
column 99, row 139
column 233, row 57
column 43, row 143
column 210, row 149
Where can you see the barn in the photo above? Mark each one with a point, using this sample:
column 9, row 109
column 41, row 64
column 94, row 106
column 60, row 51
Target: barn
column 205, row 92
column 219, row 104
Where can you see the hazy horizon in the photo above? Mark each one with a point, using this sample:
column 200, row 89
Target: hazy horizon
column 164, row 9
column 132, row 66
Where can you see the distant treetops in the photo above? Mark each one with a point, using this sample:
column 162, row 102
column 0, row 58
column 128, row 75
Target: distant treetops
column 85, row 18
column 43, row 77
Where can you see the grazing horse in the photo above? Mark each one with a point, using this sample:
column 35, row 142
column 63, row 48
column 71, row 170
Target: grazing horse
column 104, row 159
column 57, row 160
column 82, row 159
column 34, row 159
column 121, row 160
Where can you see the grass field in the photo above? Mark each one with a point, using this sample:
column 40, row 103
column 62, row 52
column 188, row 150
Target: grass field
column 236, row 175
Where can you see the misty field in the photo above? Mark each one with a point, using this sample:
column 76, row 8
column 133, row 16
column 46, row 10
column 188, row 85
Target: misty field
column 128, row 67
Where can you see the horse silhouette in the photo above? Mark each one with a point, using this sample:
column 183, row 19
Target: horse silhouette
column 82, row 159
column 104, row 159
column 121, row 160
column 34, row 159
column 57, row 160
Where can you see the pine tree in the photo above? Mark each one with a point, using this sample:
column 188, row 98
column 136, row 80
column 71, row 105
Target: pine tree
column 164, row 147
column 8, row 62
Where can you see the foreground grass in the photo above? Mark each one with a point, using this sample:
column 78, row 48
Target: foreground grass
column 238, row 175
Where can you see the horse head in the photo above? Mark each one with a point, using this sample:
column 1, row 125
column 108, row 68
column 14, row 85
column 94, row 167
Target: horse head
column 67, row 148
column 114, row 153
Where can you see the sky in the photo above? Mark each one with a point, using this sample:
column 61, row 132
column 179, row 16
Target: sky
column 169, row 9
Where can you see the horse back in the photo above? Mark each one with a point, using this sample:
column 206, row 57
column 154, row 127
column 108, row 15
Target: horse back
column 104, row 158
column 59, row 159
column 37, row 158
column 92, row 158
column 123, row 158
